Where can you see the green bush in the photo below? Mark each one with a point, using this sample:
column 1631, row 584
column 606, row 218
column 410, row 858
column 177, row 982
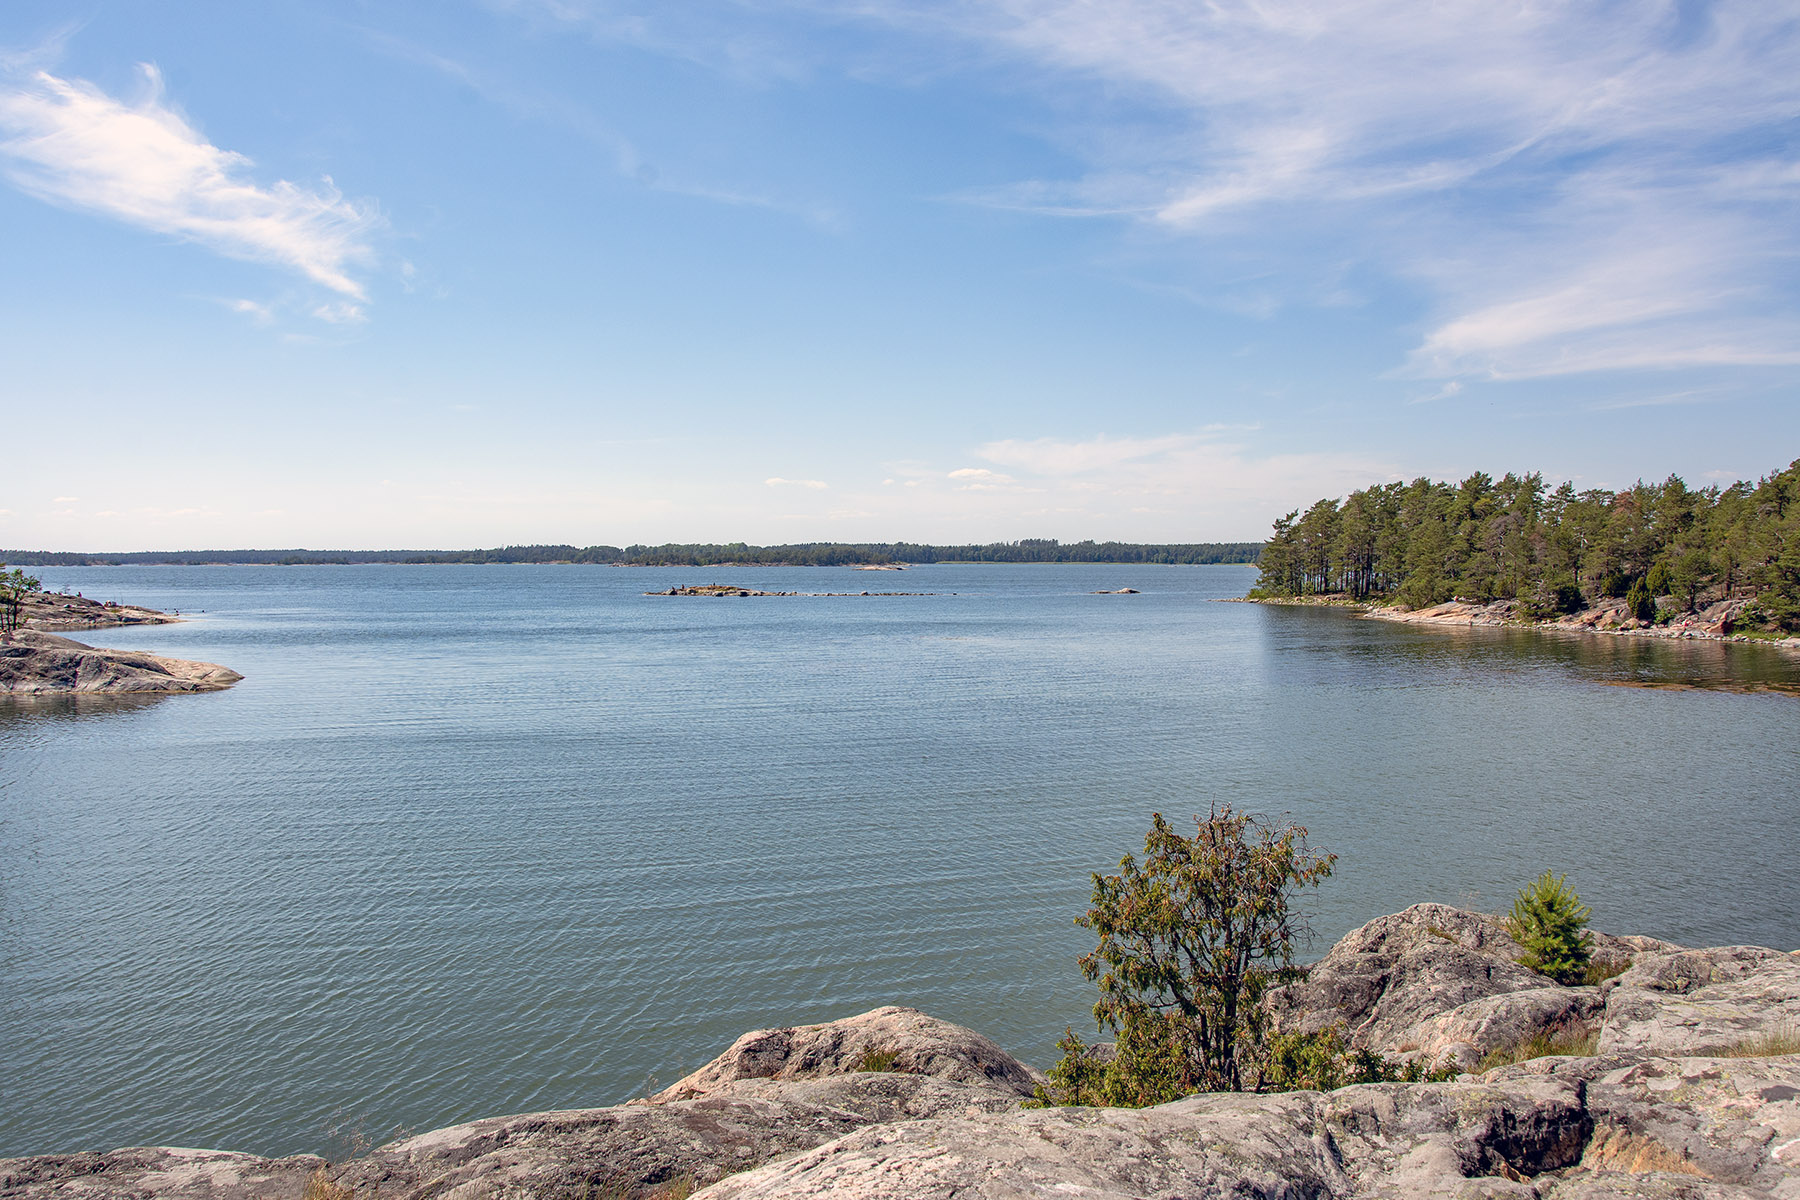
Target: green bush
column 1569, row 599
column 1422, row 592
column 1639, row 602
column 1549, row 922
column 1147, row 1068
column 1190, row 941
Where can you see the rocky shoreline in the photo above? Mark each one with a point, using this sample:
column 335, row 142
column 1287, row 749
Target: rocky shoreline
column 1713, row 623
column 1687, row 1085
column 56, row 611
column 36, row 662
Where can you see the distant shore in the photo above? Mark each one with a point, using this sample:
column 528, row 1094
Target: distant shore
column 690, row 554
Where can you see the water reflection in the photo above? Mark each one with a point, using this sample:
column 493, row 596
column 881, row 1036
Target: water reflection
column 1385, row 647
column 21, row 711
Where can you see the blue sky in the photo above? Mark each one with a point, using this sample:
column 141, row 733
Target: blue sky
column 468, row 273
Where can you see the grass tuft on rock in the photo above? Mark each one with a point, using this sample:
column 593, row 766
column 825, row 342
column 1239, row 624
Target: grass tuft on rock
column 321, row 1186
column 878, row 1060
column 1574, row 1041
column 1765, row 1045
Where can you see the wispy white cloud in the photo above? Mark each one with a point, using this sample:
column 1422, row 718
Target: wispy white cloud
column 1053, row 456
column 68, row 142
column 777, row 481
column 261, row 313
column 1452, row 387
column 1199, row 484
column 1579, row 187
column 1572, row 186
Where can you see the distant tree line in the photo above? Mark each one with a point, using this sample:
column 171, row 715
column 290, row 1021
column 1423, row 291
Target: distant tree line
column 805, row 554
column 1422, row 543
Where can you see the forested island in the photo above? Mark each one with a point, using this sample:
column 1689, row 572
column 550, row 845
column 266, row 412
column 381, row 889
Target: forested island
column 1663, row 549
column 710, row 554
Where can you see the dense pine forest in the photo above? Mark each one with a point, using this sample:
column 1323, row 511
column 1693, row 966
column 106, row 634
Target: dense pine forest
column 1552, row 551
column 806, row 554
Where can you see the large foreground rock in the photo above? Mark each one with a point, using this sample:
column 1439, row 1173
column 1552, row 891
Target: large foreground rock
column 1684, row 1100
column 35, row 664
column 1726, row 1000
column 633, row 1148
column 1399, row 1139
column 1443, row 984
column 165, row 1172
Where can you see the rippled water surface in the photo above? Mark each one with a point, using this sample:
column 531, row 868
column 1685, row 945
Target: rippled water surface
column 476, row 840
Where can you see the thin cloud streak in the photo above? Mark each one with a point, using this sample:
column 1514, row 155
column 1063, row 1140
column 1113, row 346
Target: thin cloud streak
column 69, row 143
column 1511, row 158
column 1503, row 158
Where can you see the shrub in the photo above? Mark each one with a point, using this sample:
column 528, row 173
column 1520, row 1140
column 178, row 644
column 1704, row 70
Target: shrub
column 1568, row 599
column 1639, row 602
column 1421, row 592
column 15, row 585
column 1190, row 942
column 1148, row 1072
column 1321, row 1062
column 1549, row 922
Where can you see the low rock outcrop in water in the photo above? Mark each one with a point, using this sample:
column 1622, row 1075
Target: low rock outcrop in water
column 57, row 611
column 1687, row 1094
column 33, row 663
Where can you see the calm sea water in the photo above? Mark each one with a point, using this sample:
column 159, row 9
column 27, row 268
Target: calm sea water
column 477, row 840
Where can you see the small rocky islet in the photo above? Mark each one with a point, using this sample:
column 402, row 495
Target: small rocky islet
column 34, row 661
column 1687, row 1086
column 720, row 590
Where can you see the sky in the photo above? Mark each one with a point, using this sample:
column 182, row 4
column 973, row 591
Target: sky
column 480, row 272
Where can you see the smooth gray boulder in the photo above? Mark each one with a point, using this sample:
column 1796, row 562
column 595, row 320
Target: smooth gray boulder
column 1381, row 980
column 900, row 1039
column 1468, row 1033
column 1442, row 984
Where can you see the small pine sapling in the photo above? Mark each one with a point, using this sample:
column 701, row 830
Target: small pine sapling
column 1549, row 922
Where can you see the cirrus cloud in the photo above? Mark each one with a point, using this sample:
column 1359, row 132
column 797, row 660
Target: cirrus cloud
column 69, row 143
